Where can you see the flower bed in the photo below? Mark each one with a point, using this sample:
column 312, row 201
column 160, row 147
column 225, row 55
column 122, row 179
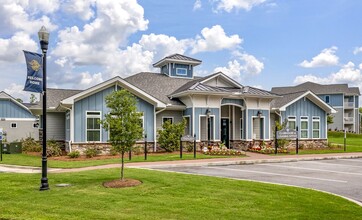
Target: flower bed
column 223, row 151
column 267, row 149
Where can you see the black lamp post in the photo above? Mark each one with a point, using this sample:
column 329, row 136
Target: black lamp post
column 44, row 41
column 208, row 112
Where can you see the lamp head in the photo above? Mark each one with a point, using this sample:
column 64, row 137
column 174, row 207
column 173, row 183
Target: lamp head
column 43, row 35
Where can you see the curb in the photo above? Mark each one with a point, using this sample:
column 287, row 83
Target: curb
column 246, row 162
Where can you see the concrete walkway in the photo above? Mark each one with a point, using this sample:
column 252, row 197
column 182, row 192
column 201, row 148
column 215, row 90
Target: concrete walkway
column 252, row 158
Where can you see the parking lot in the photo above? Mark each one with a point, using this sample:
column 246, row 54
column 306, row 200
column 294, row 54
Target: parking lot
column 338, row 176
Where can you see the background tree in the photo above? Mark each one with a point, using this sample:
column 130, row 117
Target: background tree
column 33, row 98
column 169, row 136
column 123, row 122
column 330, row 119
column 19, row 100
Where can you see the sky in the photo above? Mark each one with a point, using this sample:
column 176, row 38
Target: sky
column 260, row 43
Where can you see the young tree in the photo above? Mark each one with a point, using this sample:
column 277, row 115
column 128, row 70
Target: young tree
column 32, row 98
column 123, row 122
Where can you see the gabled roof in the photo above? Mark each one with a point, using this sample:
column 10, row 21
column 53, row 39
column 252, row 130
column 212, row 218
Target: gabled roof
column 199, row 85
column 318, row 89
column 114, row 81
column 286, row 100
column 177, row 58
column 159, row 85
column 4, row 95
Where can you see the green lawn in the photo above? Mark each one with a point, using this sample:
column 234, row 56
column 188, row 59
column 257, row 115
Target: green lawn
column 163, row 196
column 29, row 160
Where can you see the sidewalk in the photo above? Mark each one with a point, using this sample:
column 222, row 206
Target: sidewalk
column 250, row 159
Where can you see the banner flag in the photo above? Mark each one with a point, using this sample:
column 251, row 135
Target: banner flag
column 34, row 78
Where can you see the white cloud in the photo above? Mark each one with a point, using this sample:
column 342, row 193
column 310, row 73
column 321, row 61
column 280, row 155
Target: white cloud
column 326, row 58
column 88, row 80
column 233, row 70
column 101, row 39
column 347, row 74
column 11, row 49
column 197, row 5
column 236, row 70
column 82, row 9
column 214, row 39
column 25, row 16
column 357, row 50
column 17, row 91
column 229, row 5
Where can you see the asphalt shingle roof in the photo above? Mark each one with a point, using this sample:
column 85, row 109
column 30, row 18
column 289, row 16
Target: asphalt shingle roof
column 54, row 96
column 285, row 99
column 179, row 57
column 158, row 85
column 317, row 89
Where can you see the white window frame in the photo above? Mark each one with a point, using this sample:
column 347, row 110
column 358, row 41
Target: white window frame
column 180, row 74
column 316, row 119
column 86, row 124
column 168, row 117
column 304, row 119
column 294, row 119
column 13, row 123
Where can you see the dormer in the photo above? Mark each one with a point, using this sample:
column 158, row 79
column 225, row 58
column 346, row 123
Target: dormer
column 177, row 65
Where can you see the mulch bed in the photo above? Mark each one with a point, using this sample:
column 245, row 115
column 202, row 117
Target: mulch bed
column 122, row 183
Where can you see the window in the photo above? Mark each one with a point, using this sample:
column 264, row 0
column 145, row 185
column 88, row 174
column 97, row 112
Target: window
column 13, row 125
column 93, row 132
column 327, row 99
column 170, row 119
column 187, row 127
column 303, row 127
column 181, row 71
column 316, row 127
column 292, row 122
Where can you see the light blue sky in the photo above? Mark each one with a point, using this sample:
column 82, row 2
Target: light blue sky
column 261, row 43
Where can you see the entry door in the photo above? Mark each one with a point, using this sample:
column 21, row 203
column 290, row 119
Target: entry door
column 258, row 128
column 225, row 131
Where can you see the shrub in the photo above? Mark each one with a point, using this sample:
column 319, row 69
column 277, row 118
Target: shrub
column 137, row 150
column 53, row 149
column 92, row 152
column 169, row 136
column 74, row 154
column 30, row 145
column 113, row 151
column 189, row 146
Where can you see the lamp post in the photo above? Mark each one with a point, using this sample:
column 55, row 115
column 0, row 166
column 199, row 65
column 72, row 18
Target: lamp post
column 208, row 112
column 44, row 41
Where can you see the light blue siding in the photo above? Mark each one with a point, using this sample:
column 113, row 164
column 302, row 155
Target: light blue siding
column 188, row 112
column 96, row 102
column 9, row 109
column 334, row 99
column 305, row 107
column 202, row 111
column 189, row 70
column 239, row 102
column 266, row 115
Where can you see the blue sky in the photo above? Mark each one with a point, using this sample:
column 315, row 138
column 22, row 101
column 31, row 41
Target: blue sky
column 262, row 43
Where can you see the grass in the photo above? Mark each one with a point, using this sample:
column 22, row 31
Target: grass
column 163, row 196
column 35, row 161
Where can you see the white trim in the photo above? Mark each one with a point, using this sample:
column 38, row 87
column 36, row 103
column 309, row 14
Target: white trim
column 241, row 126
column 214, row 125
column 172, row 119
column 100, row 126
column 295, row 120
column 72, row 130
column 300, row 126
column 9, row 97
column 19, row 119
column 315, row 99
column 138, row 92
column 225, row 77
column 319, row 124
column 180, row 68
column 234, row 122
column 251, row 126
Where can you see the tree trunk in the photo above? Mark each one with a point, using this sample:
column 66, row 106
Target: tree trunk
column 122, row 167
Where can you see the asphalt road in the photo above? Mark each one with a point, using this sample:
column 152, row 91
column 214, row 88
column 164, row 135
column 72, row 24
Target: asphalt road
column 339, row 176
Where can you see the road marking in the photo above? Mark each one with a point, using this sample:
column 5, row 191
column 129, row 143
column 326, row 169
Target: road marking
column 302, row 168
column 333, row 164
column 278, row 174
